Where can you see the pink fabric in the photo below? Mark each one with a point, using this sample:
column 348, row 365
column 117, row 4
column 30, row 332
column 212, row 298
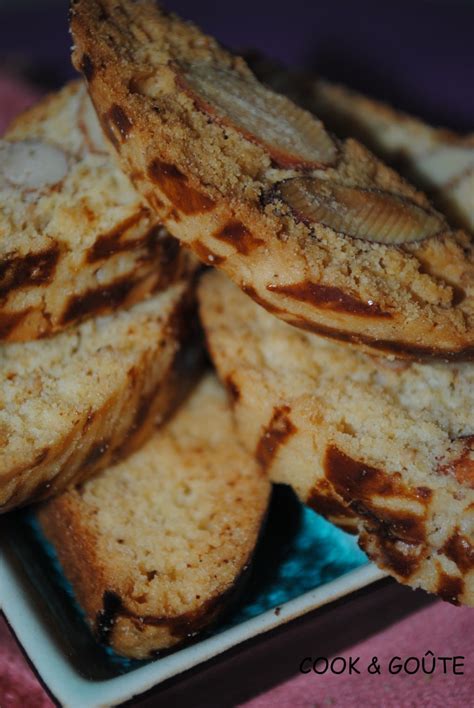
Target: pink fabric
column 15, row 97
column 18, row 684
column 19, row 687
column 441, row 628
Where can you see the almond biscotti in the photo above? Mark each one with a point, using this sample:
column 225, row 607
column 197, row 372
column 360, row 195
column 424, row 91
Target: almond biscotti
column 438, row 160
column 318, row 231
column 157, row 546
column 73, row 403
column 385, row 445
column 75, row 237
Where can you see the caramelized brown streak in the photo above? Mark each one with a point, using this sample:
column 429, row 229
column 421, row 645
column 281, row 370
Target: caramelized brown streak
column 232, row 388
column 458, row 549
column 118, row 122
column 251, row 292
column 358, row 483
column 323, row 500
column 279, row 429
column 87, row 67
column 450, row 588
column 9, row 322
column 25, row 271
column 404, row 349
column 97, row 300
column 390, row 556
column 97, row 451
column 328, row 297
column 174, row 184
column 238, row 236
column 182, row 626
column 109, row 243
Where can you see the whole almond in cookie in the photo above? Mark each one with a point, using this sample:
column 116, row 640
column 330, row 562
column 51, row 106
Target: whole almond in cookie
column 31, row 165
column 367, row 214
column 292, row 137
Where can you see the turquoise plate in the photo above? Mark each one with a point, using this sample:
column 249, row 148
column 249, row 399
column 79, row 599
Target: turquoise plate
column 302, row 562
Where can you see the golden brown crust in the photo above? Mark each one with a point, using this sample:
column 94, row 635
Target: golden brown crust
column 104, row 421
column 141, row 600
column 216, row 190
column 85, row 246
column 377, row 445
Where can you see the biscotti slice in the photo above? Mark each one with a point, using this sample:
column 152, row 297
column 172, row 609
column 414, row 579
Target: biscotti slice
column 385, row 445
column 73, row 403
column 318, row 231
column 75, row 237
column 156, row 546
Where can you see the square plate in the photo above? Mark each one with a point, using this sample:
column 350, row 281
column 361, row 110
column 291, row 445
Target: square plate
column 302, row 563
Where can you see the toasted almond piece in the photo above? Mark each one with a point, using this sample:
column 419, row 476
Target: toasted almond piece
column 362, row 213
column 292, row 136
column 31, row 164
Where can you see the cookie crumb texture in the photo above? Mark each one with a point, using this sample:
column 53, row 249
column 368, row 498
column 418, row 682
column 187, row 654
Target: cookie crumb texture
column 379, row 445
column 76, row 239
column 157, row 546
column 72, row 404
column 317, row 230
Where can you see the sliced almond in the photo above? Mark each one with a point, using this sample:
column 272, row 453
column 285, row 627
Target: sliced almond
column 291, row 135
column 366, row 214
column 31, row 165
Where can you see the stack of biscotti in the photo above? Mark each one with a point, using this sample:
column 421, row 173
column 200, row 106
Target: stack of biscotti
column 155, row 522
column 350, row 371
column 94, row 301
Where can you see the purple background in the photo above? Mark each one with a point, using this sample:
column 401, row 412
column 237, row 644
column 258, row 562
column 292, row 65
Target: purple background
column 418, row 54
